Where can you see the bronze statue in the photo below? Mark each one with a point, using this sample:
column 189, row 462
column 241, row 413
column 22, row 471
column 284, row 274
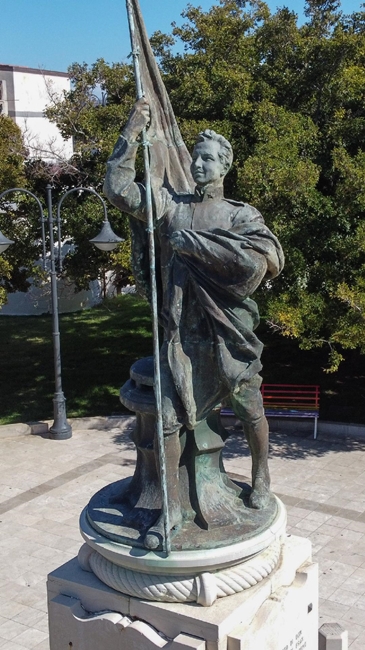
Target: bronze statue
column 213, row 253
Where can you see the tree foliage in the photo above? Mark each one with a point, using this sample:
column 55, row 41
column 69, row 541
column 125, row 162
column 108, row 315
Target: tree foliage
column 290, row 99
column 91, row 113
column 12, row 155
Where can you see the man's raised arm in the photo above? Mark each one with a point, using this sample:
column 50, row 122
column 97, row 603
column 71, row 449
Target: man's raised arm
column 119, row 185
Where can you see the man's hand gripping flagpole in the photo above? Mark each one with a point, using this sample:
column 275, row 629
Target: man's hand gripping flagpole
column 152, row 264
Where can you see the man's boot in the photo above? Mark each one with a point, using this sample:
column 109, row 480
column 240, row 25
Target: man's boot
column 257, row 434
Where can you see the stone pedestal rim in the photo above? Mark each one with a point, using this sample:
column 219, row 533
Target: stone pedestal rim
column 182, row 562
column 204, row 588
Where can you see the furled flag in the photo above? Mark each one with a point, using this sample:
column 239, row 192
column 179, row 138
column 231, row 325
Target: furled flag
column 169, row 158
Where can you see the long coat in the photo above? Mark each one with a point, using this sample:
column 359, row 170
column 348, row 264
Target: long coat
column 224, row 251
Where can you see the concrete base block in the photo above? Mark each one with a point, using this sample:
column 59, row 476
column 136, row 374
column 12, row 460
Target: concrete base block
column 280, row 613
column 332, row 636
column 39, row 428
column 109, row 630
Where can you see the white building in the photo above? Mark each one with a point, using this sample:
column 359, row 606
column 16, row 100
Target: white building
column 24, row 95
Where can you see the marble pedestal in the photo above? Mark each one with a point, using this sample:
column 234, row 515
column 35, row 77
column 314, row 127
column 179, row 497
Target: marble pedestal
column 279, row 613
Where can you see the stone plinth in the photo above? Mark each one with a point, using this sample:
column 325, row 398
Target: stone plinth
column 279, row 613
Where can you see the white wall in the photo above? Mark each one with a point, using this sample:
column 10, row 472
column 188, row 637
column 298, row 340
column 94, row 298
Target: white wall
column 33, row 92
column 37, row 300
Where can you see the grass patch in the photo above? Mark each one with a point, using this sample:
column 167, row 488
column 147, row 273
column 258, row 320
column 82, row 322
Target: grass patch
column 99, row 345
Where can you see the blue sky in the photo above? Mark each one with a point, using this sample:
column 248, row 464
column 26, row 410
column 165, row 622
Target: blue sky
column 52, row 34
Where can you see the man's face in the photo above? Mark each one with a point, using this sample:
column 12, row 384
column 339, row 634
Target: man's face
column 206, row 166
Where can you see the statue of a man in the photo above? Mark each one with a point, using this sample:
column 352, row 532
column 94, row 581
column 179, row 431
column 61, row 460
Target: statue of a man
column 213, row 253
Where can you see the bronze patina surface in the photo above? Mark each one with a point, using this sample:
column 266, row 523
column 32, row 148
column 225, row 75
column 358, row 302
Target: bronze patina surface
column 117, row 520
column 210, row 253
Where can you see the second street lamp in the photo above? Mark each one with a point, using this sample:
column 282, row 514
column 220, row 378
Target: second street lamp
column 106, row 240
column 4, row 242
column 60, row 429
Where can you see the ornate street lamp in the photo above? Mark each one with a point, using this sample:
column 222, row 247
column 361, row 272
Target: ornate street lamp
column 4, row 242
column 60, row 429
column 106, row 240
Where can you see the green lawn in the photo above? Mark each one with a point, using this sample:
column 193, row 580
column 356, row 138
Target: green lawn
column 99, row 345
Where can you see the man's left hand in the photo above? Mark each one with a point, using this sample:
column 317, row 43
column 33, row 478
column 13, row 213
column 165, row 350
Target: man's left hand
column 177, row 241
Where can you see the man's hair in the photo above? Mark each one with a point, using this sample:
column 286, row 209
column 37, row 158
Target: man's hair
column 226, row 153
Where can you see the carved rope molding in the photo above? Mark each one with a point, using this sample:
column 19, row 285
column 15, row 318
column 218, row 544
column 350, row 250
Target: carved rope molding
column 203, row 589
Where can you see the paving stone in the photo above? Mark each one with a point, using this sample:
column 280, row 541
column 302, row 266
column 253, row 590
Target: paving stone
column 11, row 629
column 31, row 638
column 307, row 525
column 354, row 632
column 354, row 615
column 29, row 616
column 320, row 517
column 11, row 645
column 10, row 609
column 42, row 646
column 344, row 597
column 335, row 611
column 44, row 485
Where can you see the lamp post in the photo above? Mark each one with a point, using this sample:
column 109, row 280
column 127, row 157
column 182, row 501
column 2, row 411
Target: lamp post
column 106, row 240
column 4, row 242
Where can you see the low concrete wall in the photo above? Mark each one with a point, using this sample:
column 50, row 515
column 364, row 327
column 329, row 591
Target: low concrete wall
column 98, row 423
column 302, row 426
column 286, row 425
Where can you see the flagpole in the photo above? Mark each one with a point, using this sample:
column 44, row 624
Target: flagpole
column 152, row 261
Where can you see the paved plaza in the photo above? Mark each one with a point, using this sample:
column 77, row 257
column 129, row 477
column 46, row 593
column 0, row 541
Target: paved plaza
column 44, row 484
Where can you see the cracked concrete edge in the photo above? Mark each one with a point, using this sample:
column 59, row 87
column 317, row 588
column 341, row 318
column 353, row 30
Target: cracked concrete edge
column 326, row 430
column 98, row 423
column 15, row 430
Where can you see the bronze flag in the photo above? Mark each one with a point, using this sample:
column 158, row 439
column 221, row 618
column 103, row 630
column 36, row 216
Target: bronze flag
column 169, row 158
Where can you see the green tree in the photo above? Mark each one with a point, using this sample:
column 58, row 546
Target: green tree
column 92, row 113
column 12, row 156
column 290, row 99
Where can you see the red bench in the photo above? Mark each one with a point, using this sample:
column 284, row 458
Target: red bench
column 289, row 401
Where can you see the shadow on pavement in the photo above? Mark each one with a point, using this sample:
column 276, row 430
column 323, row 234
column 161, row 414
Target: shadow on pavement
column 291, row 446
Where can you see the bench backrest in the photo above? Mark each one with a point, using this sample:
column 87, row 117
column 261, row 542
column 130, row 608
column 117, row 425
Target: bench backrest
column 290, row 396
